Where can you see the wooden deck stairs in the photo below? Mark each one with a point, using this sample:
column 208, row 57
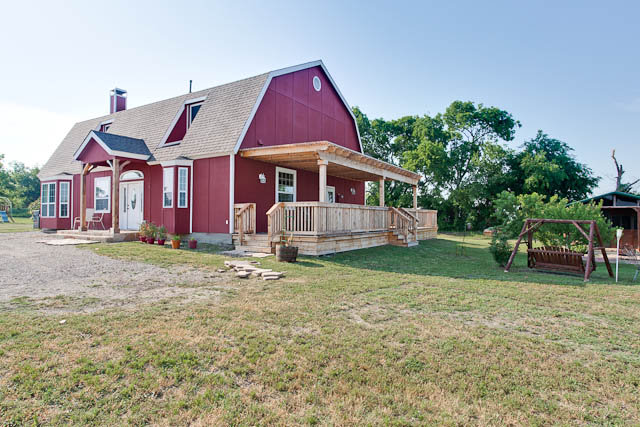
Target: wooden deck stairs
column 255, row 242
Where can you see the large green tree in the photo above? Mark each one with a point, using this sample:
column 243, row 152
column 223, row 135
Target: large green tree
column 547, row 166
column 19, row 183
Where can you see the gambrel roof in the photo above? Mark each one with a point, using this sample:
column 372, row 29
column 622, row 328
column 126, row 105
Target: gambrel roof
column 221, row 124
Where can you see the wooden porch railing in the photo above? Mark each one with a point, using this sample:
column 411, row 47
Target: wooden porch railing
column 404, row 224
column 425, row 217
column 244, row 219
column 318, row 218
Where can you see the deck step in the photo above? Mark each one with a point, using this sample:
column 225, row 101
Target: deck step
column 254, row 248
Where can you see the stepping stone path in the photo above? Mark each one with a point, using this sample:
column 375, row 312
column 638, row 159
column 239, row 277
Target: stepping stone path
column 246, row 269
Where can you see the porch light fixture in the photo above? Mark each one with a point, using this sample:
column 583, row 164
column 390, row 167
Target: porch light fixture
column 262, row 178
column 353, row 191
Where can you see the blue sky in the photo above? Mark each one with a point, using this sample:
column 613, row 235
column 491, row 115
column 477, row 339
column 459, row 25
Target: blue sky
column 571, row 69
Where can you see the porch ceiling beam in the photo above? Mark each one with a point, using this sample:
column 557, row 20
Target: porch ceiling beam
column 297, row 155
column 381, row 173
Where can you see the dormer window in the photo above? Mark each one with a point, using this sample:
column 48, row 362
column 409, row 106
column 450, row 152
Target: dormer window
column 182, row 121
column 193, row 111
column 104, row 126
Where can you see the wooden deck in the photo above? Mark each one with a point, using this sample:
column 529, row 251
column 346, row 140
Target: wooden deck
column 319, row 228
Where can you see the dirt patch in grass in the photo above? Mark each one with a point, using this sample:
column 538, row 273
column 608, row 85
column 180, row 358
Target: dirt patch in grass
column 74, row 279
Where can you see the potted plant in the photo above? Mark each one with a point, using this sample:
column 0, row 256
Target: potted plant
column 151, row 233
column 285, row 251
column 161, row 234
column 193, row 243
column 175, row 241
column 143, row 231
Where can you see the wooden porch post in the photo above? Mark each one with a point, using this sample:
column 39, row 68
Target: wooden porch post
column 322, row 178
column 382, row 191
column 115, row 197
column 415, row 198
column 83, row 197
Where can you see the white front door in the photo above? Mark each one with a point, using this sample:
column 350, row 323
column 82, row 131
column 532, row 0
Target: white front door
column 131, row 205
column 331, row 194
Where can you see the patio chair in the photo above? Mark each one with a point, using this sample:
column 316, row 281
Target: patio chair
column 634, row 257
column 92, row 218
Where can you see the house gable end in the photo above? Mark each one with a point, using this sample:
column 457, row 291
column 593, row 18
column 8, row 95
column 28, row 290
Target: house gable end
column 301, row 104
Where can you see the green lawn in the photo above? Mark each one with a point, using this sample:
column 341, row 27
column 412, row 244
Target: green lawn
column 21, row 224
column 379, row 336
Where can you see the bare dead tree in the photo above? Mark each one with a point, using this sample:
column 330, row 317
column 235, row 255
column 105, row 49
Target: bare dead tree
column 620, row 186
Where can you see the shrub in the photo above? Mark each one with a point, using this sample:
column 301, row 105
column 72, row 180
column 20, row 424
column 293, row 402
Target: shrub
column 161, row 233
column 500, row 248
column 512, row 210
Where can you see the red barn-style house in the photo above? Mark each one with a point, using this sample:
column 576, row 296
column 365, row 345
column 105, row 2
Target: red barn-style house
column 248, row 162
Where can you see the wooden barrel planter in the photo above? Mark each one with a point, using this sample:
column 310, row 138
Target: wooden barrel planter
column 286, row 253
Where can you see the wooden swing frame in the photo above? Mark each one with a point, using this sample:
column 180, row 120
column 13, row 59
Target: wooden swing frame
column 533, row 224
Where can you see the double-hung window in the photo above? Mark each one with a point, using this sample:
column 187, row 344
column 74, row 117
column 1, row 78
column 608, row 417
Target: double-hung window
column 63, row 211
column 102, row 194
column 285, row 185
column 48, row 201
column 183, row 174
column 167, row 188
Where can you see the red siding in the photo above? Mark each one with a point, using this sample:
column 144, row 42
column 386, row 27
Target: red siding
column 292, row 111
column 180, row 129
column 211, row 195
column 93, row 153
column 249, row 190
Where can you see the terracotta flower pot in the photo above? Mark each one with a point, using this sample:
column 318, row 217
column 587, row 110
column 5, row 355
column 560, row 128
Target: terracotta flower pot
column 161, row 242
column 175, row 244
column 193, row 244
column 286, row 253
column 151, row 240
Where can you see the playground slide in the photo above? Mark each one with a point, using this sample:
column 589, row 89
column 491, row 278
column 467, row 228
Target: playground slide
column 4, row 217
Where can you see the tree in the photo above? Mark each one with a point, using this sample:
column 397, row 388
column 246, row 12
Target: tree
column 622, row 186
column 19, row 183
column 546, row 166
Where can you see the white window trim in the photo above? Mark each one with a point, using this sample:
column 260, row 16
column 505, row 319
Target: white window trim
column 186, row 190
column 331, row 189
column 95, row 199
column 60, row 203
column 173, row 176
column 48, row 184
column 189, row 106
column 295, row 181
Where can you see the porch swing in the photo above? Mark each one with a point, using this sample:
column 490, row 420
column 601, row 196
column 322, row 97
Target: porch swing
column 560, row 259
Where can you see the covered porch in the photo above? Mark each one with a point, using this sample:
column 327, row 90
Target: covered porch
column 324, row 226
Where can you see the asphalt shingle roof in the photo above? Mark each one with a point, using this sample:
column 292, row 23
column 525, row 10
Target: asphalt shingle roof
column 214, row 132
column 123, row 143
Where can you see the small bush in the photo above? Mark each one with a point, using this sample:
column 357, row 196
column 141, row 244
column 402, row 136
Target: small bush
column 500, row 248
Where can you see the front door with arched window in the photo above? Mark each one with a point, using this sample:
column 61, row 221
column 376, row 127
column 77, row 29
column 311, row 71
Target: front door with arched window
column 131, row 200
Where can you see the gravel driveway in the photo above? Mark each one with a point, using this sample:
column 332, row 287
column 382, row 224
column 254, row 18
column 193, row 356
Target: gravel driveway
column 68, row 278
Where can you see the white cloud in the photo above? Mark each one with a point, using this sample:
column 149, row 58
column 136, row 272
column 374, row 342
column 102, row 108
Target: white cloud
column 30, row 135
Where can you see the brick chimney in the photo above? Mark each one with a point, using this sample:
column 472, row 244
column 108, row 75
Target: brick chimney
column 117, row 100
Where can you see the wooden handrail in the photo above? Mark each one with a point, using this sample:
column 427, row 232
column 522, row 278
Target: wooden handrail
column 244, row 219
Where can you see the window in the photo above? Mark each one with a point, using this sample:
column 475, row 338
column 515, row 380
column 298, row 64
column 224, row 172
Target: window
column 167, row 188
column 183, row 173
column 285, row 185
column 48, row 201
column 105, row 128
column 331, row 194
column 131, row 176
column 64, row 200
column 192, row 111
column 102, row 194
